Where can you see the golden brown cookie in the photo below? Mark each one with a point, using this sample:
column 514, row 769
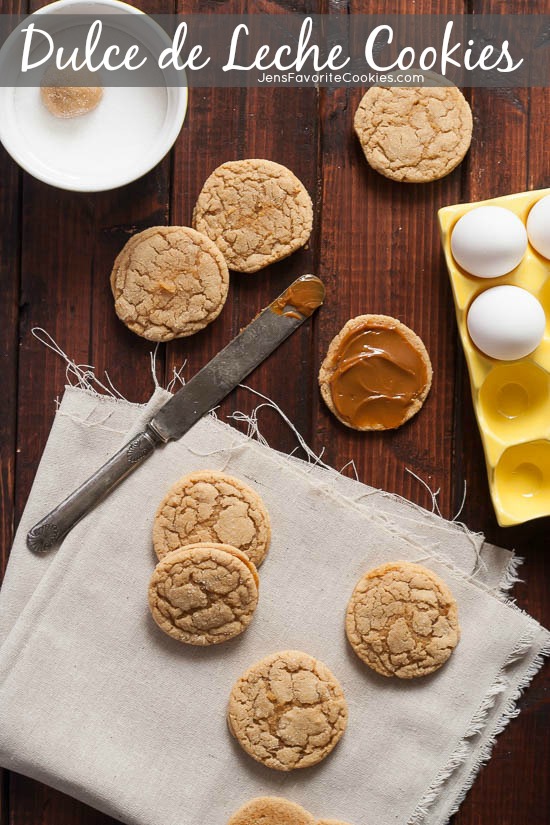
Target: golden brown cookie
column 255, row 211
column 402, row 620
column 416, row 134
column 169, row 282
column 271, row 810
column 287, row 711
column 204, row 594
column 376, row 375
column 63, row 99
column 212, row 506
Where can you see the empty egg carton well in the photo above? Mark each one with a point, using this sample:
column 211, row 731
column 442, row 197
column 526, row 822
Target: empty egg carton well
column 511, row 397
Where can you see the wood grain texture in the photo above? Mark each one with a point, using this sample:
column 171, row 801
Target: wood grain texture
column 511, row 126
column 376, row 245
column 230, row 124
column 10, row 273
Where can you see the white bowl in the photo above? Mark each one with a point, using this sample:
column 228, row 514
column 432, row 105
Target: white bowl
column 130, row 131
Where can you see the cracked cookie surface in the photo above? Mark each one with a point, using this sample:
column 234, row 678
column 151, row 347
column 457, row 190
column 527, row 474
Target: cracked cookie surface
column 256, row 212
column 211, row 506
column 415, row 134
column 204, row 594
column 271, row 810
column 287, row 711
column 402, row 620
column 169, row 282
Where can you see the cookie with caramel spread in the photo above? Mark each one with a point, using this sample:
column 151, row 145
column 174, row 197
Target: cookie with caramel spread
column 376, row 374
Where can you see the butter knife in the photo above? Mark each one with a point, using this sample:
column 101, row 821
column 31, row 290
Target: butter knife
column 203, row 392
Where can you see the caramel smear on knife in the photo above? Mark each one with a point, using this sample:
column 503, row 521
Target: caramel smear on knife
column 301, row 298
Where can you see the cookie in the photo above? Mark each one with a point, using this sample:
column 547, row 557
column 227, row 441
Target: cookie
column 256, row 211
column 402, row 620
column 287, row 711
column 64, row 99
column 271, row 810
column 169, row 282
column 211, row 506
column 376, row 374
column 204, row 594
column 414, row 135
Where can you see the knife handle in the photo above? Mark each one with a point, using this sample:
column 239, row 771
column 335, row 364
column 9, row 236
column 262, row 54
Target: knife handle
column 55, row 526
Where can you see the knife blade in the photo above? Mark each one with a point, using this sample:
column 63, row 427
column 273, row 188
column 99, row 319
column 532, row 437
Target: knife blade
column 203, row 392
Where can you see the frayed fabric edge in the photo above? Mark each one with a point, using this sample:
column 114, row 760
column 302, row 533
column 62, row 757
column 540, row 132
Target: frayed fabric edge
column 86, row 378
column 478, row 726
column 510, row 576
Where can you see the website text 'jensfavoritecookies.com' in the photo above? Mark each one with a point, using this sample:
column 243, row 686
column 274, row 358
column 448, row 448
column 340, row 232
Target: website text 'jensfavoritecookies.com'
column 339, row 79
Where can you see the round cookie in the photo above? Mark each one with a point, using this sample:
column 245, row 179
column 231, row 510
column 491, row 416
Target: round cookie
column 271, row 810
column 169, row 282
column 204, row 594
column 376, row 374
column 402, row 620
column 416, row 134
column 63, row 98
column 287, row 711
column 211, row 506
column 255, row 211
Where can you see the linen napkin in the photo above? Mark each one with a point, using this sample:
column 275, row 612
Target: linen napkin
column 97, row 702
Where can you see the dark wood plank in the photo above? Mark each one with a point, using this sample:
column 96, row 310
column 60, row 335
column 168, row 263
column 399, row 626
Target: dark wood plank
column 508, row 157
column 10, row 244
column 228, row 124
column 10, row 271
column 379, row 253
column 10, row 240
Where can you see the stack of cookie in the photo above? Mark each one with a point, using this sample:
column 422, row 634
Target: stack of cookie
column 210, row 534
column 172, row 281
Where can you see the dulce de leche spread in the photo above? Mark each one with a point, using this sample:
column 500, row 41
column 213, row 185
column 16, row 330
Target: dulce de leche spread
column 301, row 298
column 380, row 373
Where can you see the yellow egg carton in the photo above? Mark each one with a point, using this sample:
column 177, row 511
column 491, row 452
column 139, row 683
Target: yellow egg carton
column 511, row 398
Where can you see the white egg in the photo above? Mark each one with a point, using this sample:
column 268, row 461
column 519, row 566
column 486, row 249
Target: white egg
column 489, row 241
column 506, row 322
column 538, row 226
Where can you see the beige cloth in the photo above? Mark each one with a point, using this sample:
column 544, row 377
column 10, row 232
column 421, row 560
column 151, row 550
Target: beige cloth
column 97, row 702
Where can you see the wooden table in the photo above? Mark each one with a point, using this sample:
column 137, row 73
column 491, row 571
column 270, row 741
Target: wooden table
column 375, row 244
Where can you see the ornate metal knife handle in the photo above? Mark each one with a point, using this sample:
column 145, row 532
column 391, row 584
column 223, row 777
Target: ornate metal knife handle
column 51, row 529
